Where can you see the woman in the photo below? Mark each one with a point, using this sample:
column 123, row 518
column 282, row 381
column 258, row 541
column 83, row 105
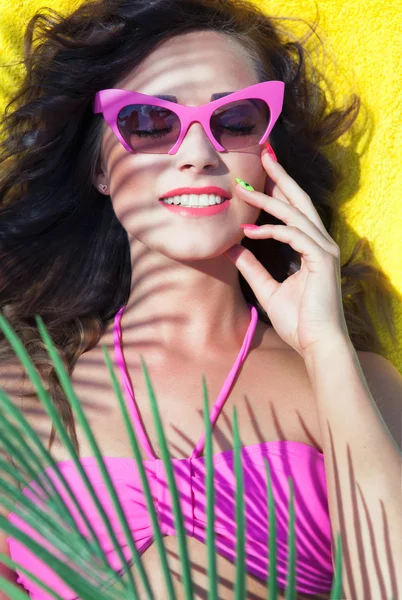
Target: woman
column 87, row 206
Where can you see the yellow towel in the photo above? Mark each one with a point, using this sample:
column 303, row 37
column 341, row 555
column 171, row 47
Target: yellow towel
column 363, row 55
column 360, row 40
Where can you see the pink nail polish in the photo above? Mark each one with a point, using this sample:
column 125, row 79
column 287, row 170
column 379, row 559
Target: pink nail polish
column 271, row 152
column 249, row 226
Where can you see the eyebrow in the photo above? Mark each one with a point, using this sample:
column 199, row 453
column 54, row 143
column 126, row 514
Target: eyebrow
column 174, row 98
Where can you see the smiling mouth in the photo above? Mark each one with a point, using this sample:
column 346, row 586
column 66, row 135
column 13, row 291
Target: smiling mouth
column 195, row 200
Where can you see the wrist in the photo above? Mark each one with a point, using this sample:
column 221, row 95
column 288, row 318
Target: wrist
column 327, row 350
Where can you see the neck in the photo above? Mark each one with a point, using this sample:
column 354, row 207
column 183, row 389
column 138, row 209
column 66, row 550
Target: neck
column 192, row 306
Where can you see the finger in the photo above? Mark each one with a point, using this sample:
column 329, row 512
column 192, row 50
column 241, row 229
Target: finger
column 290, row 215
column 261, row 282
column 296, row 196
column 272, row 190
column 312, row 253
column 283, row 181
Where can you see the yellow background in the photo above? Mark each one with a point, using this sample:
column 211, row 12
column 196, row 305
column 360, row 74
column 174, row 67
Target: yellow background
column 362, row 54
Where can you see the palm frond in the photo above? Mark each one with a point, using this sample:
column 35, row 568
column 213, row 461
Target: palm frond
column 144, row 480
column 210, row 489
column 178, row 516
column 78, row 558
column 69, row 391
column 240, row 586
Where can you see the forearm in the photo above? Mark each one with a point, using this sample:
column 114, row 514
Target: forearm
column 363, row 474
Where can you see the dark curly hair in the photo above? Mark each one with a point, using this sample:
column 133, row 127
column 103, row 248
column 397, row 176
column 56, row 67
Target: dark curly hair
column 63, row 253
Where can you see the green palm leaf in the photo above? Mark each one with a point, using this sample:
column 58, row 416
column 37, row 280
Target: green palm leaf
column 145, row 485
column 210, row 489
column 185, row 562
column 79, row 560
column 240, row 588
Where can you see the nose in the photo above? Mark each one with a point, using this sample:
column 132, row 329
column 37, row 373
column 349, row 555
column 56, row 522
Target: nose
column 196, row 149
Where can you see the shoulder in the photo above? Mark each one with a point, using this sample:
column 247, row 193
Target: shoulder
column 385, row 384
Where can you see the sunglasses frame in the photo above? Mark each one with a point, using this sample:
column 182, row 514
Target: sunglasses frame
column 109, row 102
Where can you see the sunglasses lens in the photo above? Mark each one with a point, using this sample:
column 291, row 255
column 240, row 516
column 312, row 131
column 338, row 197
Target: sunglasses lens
column 148, row 129
column 240, row 124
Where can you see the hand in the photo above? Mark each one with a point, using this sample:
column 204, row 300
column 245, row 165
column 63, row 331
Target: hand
column 306, row 309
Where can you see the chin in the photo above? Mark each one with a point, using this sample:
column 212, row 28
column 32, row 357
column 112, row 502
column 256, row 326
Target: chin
column 194, row 256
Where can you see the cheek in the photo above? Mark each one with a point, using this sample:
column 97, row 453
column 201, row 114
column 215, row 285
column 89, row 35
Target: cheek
column 133, row 192
column 248, row 166
column 131, row 176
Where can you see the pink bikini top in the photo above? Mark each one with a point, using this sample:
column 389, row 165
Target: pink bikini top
column 305, row 464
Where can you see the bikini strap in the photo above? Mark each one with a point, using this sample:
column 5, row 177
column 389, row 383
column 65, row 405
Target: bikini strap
column 223, row 394
column 220, row 401
column 128, row 388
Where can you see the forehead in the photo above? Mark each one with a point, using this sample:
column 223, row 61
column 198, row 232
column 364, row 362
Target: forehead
column 192, row 67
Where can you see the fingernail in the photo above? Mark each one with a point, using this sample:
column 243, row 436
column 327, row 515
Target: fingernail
column 250, row 226
column 245, row 185
column 271, row 152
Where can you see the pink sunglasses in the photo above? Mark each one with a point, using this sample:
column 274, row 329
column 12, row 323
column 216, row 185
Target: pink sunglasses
column 157, row 125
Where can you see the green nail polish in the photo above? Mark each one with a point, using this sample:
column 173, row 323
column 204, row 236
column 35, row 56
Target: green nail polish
column 246, row 186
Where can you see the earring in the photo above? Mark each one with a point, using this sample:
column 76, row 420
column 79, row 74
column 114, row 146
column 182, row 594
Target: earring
column 103, row 187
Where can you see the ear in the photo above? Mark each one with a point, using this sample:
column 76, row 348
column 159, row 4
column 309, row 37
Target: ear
column 100, row 177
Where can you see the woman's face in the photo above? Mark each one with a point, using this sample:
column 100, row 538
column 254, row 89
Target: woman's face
column 191, row 67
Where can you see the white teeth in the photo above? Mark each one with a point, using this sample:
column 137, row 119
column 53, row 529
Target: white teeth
column 195, row 200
